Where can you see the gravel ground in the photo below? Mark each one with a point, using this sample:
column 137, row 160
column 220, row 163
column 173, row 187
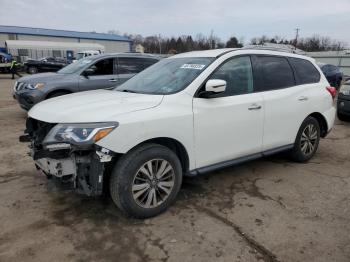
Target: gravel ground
column 267, row 210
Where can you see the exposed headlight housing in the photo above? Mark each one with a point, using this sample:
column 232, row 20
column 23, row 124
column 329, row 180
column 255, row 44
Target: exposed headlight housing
column 79, row 134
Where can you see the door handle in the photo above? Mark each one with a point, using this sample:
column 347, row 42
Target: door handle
column 254, row 107
column 113, row 80
column 303, row 98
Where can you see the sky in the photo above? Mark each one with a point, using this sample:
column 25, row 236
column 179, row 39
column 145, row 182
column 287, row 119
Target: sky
column 241, row 18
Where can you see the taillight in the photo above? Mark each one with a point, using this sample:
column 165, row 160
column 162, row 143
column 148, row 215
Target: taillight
column 332, row 91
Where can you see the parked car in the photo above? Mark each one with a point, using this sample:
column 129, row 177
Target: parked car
column 333, row 74
column 46, row 64
column 5, row 62
column 343, row 107
column 94, row 72
column 186, row 115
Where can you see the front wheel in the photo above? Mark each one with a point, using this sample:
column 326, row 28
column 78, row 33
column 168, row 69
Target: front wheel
column 307, row 140
column 32, row 70
column 146, row 180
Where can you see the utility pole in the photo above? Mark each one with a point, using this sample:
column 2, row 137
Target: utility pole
column 160, row 44
column 296, row 37
column 211, row 38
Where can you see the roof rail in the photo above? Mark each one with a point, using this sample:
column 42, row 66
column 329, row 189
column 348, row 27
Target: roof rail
column 276, row 47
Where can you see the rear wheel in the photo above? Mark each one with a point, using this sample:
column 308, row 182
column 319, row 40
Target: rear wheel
column 307, row 140
column 32, row 70
column 146, row 180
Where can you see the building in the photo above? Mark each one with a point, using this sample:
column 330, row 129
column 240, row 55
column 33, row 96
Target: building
column 23, row 42
column 337, row 58
column 139, row 48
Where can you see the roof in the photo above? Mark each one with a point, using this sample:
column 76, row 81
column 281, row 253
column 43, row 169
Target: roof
column 205, row 53
column 49, row 45
column 239, row 51
column 61, row 33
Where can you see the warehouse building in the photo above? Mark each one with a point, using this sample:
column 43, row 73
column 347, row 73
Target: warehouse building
column 24, row 42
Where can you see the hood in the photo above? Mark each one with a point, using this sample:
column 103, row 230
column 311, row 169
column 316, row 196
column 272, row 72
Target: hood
column 92, row 106
column 43, row 78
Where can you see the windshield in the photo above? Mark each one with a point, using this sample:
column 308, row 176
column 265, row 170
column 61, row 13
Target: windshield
column 75, row 67
column 167, row 76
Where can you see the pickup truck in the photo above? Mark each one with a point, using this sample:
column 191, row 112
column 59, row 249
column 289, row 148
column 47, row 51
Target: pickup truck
column 46, row 64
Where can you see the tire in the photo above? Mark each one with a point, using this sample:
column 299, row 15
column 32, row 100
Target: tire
column 302, row 151
column 32, row 70
column 342, row 117
column 130, row 172
column 56, row 94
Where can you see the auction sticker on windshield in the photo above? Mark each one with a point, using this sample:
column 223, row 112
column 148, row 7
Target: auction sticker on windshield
column 193, row 66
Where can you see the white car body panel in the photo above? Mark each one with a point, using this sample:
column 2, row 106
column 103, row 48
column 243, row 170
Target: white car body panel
column 222, row 131
column 92, row 106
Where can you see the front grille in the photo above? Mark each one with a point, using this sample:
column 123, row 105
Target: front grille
column 37, row 130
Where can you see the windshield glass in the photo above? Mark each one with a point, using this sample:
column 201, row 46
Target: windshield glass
column 75, row 67
column 167, row 76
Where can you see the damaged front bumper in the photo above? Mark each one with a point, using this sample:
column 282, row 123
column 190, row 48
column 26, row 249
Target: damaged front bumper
column 79, row 169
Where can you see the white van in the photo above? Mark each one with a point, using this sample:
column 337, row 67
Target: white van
column 83, row 54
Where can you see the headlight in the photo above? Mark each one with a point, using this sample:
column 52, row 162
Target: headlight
column 79, row 134
column 36, row 86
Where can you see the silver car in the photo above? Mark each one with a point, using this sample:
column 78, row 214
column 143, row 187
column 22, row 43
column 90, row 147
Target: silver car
column 90, row 73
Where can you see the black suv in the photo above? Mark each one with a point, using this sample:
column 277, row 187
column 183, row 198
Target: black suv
column 333, row 74
column 46, row 64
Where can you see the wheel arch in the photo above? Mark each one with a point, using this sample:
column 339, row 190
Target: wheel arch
column 322, row 122
column 174, row 145
column 51, row 93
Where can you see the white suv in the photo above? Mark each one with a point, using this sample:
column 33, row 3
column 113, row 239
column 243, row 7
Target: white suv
column 188, row 114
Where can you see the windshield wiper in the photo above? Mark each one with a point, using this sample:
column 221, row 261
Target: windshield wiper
column 127, row 90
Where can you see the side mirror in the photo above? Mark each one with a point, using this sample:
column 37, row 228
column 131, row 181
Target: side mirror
column 213, row 87
column 88, row 72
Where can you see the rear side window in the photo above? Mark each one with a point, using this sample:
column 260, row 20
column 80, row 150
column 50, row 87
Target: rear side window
column 276, row 72
column 128, row 65
column 148, row 62
column 306, row 73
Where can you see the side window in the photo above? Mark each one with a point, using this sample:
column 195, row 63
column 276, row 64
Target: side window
column 305, row 71
column 128, row 65
column 276, row 72
column 146, row 62
column 103, row 67
column 238, row 74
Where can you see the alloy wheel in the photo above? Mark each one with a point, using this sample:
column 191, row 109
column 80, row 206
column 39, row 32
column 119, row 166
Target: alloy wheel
column 153, row 183
column 308, row 140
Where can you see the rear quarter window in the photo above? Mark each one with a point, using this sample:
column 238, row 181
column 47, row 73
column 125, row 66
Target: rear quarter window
column 306, row 73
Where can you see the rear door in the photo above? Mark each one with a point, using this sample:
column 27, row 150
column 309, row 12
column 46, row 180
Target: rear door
column 103, row 76
column 130, row 66
column 286, row 102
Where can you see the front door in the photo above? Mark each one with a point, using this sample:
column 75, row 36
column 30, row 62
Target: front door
column 101, row 76
column 230, row 125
